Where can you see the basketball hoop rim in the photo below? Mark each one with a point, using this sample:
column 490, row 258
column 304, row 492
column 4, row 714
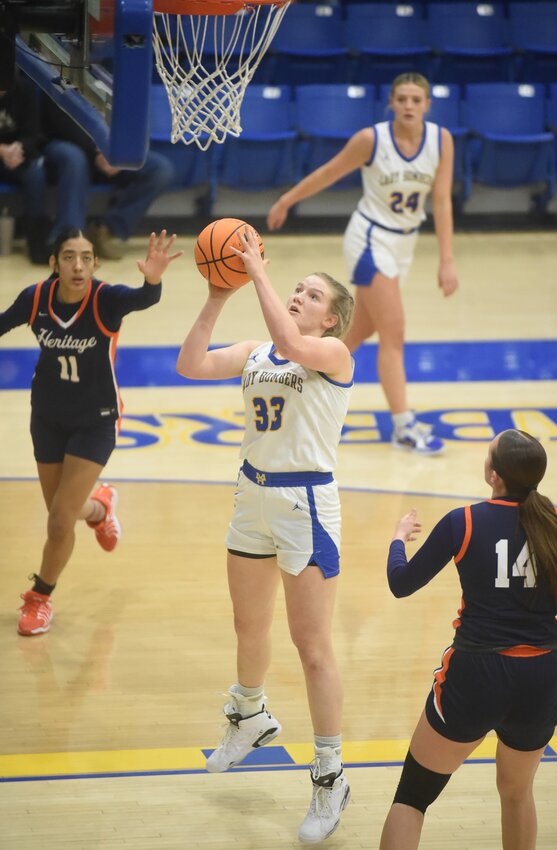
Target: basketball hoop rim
column 209, row 7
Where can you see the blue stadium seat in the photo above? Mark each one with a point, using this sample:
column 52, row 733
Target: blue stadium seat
column 191, row 164
column 533, row 33
column 308, row 46
column 386, row 41
column 326, row 116
column 551, row 116
column 446, row 111
column 551, row 113
column 510, row 145
column 470, row 39
column 265, row 153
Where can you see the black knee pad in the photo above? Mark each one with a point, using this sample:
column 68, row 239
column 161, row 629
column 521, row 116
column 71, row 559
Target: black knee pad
column 418, row 786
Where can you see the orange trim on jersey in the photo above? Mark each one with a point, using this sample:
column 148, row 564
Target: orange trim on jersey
column 524, row 651
column 113, row 336
column 35, row 306
column 104, row 330
column 76, row 315
column 457, row 623
column 467, row 534
column 440, row 675
column 502, row 502
column 112, row 349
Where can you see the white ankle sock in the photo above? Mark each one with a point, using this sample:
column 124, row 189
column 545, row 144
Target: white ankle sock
column 401, row 420
column 249, row 700
column 329, row 757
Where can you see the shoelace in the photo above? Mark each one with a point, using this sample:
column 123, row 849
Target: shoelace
column 35, row 607
column 320, row 801
column 229, row 726
column 228, row 734
column 108, row 526
column 420, row 428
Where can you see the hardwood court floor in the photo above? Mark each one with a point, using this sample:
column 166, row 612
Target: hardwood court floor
column 126, row 690
column 249, row 811
column 130, row 680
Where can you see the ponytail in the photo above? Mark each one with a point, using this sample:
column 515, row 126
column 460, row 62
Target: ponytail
column 539, row 521
column 520, row 460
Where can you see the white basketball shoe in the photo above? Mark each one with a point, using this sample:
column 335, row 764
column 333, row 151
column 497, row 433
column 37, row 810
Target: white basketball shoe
column 331, row 795
column 243, row 735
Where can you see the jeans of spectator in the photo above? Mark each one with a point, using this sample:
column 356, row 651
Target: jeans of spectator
column 31, row 177
column 134, row 191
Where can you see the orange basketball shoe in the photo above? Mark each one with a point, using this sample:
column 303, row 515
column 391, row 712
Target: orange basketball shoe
column 109, row 530
column 36, row 613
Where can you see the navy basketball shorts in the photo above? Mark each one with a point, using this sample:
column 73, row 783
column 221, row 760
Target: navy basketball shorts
column 52, row 440
column 474, row 693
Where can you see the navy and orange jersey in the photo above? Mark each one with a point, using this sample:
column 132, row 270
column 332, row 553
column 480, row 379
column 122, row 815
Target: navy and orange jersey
column 74, row 380
column 504, row 605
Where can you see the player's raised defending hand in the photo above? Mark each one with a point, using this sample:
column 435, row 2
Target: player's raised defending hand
column 158, row 258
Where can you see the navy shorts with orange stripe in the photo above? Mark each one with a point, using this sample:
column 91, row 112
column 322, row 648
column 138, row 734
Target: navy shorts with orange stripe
column 475, row 693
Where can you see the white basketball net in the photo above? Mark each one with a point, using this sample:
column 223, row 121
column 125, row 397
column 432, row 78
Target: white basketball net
column 205, row 99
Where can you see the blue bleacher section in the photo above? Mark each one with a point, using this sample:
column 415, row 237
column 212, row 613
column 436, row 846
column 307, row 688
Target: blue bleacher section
column 460, row 41
column 308, row 47
column 325, row 117
column 509, row 145
column 265, row 153
column 469, row 40
column 328, row 72
column 504, row 135
column 533, row 35
column 385, row 41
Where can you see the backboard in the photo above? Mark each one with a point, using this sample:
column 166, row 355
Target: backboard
column 98, row 68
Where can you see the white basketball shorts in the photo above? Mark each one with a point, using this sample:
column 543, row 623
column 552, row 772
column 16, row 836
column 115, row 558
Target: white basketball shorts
column 299, row 524
column 369, row 248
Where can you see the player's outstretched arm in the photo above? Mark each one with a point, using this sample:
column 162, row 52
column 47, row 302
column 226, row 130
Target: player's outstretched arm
column 158, row 257
column 353, row 155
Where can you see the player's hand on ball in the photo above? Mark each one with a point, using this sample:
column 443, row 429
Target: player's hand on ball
column 218, row 293
column 254, row 263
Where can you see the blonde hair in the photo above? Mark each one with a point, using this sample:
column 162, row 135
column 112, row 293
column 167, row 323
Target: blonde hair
column 342, row 305
column 411, row 77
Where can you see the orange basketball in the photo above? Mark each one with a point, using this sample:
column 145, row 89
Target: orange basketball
column 213, row 256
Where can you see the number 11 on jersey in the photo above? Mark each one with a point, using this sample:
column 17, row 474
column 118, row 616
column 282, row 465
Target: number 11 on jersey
column 68, row 368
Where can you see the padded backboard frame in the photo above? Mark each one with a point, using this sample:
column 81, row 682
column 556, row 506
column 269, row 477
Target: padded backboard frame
column 102, row 76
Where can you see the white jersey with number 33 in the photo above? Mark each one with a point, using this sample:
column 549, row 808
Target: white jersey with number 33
column 395, row 186
column 294, row 416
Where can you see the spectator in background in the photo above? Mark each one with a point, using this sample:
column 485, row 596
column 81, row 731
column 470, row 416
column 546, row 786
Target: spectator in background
column 74, row 162
column 20, row 158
